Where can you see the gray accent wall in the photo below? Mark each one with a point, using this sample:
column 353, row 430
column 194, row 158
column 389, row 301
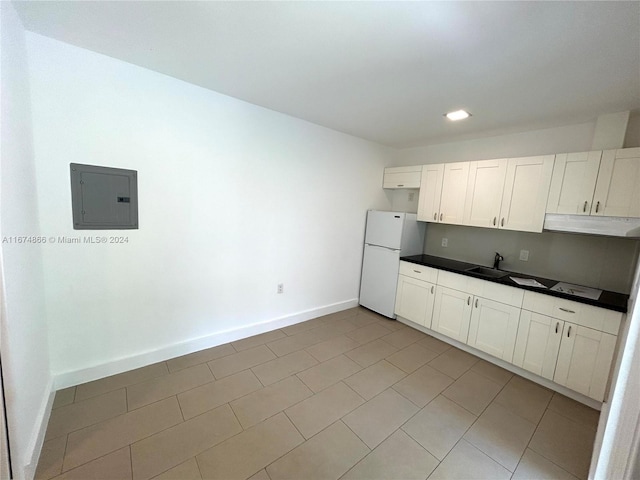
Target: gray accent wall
column 594, row 261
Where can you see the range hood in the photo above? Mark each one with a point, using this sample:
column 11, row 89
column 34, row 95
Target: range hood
column 593, row 225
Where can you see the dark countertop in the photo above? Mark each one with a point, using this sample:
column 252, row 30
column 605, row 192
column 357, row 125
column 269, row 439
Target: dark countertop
column 609, row 300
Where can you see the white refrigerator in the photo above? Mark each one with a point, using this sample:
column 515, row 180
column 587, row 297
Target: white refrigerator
column 389, row 235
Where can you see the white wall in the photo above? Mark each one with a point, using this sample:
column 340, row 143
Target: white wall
column 568, row 138
column 24, row 346
column 234, row 199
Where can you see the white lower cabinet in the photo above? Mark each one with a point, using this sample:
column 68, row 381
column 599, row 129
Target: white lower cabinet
column 414, row 300
column 452, row 313
column 493, row 328
column 584, row 360
column 538, row 343
column 567, row 342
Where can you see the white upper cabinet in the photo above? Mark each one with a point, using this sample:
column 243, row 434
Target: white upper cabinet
column 617, row 192
column 402, row 177
column 573, row 182
column 515, row 193
column 484, row 192
column 597, row 183
column 526, row 190
column 454, row 191
column 430, row 192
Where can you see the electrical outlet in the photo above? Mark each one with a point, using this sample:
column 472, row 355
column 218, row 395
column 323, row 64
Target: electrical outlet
column 281, row 288
column 524, row 255
column 411, row 196
column 445, row 242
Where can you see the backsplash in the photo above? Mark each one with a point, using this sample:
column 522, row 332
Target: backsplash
column 601, row 262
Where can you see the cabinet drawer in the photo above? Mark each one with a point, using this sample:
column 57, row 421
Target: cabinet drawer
column 402, row 177
column 482, row 288
column 579, row 313
column 458, row 282
column 419, row 272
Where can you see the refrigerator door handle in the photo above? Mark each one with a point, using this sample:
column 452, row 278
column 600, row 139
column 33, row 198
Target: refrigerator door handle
column 380, row 246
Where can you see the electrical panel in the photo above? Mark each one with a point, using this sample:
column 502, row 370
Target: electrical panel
column 104, row 198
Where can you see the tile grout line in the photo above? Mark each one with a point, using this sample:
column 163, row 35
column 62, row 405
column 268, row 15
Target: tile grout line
column 313, row 393
column 85, row 426
column 125, row 388
column 168, row 372
column 578, row 422
column 197, row 364
column 130, row 444
column 130, row 460
column 477, row 415
column 180, row 407
column 195, row 457
column 95, row 459
column 64, row 455
column 536, row 430
column 169, row 396
column 517, row 415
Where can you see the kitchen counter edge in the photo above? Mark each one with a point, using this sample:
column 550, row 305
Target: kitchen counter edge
column 609, row 300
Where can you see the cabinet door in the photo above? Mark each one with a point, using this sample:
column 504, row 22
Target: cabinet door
column 585, row 360
column 618, row 187
column 573, row 183
column 526, row 190
column 401, row 177
column 452, row 313
column 494, row 327
column 454, row 191
column 430, row 192
column 484, row 192
column 414, row 300
column 538, row 343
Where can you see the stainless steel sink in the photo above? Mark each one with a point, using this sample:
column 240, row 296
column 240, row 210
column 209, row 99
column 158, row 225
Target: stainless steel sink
column 487, row 272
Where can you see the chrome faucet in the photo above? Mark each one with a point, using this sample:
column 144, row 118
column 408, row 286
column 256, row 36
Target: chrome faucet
column 496, row 261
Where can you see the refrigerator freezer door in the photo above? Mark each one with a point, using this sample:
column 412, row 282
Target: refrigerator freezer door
column 384, row 229
column 379, row 279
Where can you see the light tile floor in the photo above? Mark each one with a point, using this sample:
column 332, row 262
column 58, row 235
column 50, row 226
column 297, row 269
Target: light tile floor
column 351, row 395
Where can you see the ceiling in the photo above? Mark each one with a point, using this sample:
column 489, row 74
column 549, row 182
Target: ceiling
column 383, row 71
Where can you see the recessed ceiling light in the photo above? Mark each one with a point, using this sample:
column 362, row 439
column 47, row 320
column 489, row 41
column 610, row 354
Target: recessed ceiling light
column 457, row 115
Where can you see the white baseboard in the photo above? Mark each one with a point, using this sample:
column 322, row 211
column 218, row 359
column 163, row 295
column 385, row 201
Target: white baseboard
column 32, row 455
column 141, row 359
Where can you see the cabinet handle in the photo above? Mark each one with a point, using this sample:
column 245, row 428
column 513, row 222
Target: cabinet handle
column 468, row 300
column 584, row 209
column 494, row 221
column 557, row 325
column 502, row 222
column 435, row 216
column 401, row 185
column 476, row 303
column 597, row 206
column 432, row 289
column 566, row 310
column 569, row 332
column 440, row 217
